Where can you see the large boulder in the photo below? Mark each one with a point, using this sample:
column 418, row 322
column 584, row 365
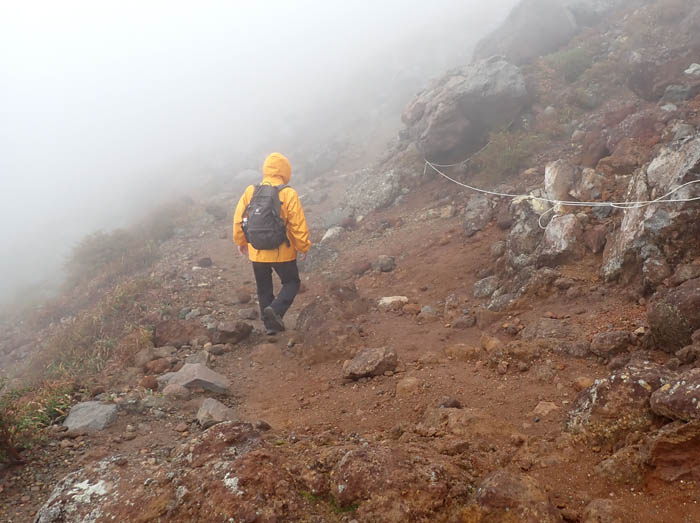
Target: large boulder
column 453, row 118
column 674, row 315
column 533, row 28
column 646, row 231
column 370, row 191
column 618, row 405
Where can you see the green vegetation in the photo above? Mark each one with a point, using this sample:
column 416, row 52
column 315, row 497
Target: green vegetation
column 25, row 412
column 332, row 502
column 83, row 346
column 571, row 63
column 508, row 152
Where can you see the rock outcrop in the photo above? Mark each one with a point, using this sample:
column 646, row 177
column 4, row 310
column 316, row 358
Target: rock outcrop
column 453, row 118
column 644, row 231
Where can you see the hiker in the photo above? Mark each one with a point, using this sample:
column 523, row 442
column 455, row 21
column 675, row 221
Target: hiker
column 269, row 226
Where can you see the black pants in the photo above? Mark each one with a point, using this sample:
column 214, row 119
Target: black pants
column 288, row 273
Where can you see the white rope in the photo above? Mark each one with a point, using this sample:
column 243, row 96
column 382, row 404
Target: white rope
column 618, row 205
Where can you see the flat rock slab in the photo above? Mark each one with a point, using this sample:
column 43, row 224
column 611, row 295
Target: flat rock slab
column 212, row 412
column 90, row 415
column 370, row 362
column 196, row 375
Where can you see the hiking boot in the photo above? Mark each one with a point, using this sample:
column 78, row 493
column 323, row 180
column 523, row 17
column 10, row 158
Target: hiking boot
column 272, row 320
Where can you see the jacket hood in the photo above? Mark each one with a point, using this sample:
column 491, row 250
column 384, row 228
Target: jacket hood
column 277, row 166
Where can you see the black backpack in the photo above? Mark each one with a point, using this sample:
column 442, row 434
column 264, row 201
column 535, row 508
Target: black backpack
column 263, row 226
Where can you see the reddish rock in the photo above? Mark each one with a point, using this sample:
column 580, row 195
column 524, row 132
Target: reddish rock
column 504, row 496
column 604, row 511
column 595, row 238
column 177, row 332
column 370, row 362
column 607, row 344
column 593, row 149
column 674, row 452
column 618, row 405
column 679, row 398
column 149, row 383
column 243, row 295
column 232, row 332
column 674, row 314
column 411, row 308
column 626, row 157
column 158, row 366
column 360, row 267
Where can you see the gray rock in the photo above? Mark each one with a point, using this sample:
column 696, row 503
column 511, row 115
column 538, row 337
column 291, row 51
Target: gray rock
column 477, row 214
column 694, row 69
column 562, row 240
column 212, row 412
column 332, row 233
column 682, row 130
column 370, row 362
column 90, row 415
column 250, row 313
column 454, row 117
column 428, row 313
column 336, row 217
column 524, row 236
column 675, row 94
column 201, row 356
column 501, row 302
column 486, row 287
column 176, row 392
column 533, row 28
column 219, row 349
column 559, row 179
column 386, row 263
column 197, row 375
column 651, row 225
column 372, row 191
column 232, row 332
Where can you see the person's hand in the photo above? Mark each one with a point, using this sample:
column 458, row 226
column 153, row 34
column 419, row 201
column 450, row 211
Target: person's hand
column 243, row 249
column 302, row 256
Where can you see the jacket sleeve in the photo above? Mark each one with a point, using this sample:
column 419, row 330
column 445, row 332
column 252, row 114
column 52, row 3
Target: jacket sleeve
column 238, row 234
column 297, row 230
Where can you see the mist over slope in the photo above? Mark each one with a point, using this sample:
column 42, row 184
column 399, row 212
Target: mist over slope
column 109, row 110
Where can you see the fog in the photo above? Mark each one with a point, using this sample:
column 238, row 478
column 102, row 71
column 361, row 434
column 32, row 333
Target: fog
column 107, row 108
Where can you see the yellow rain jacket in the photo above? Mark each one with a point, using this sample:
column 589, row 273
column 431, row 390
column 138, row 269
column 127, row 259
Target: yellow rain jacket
column 276, row 171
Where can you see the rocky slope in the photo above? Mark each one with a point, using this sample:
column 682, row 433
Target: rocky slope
column 454, row 356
